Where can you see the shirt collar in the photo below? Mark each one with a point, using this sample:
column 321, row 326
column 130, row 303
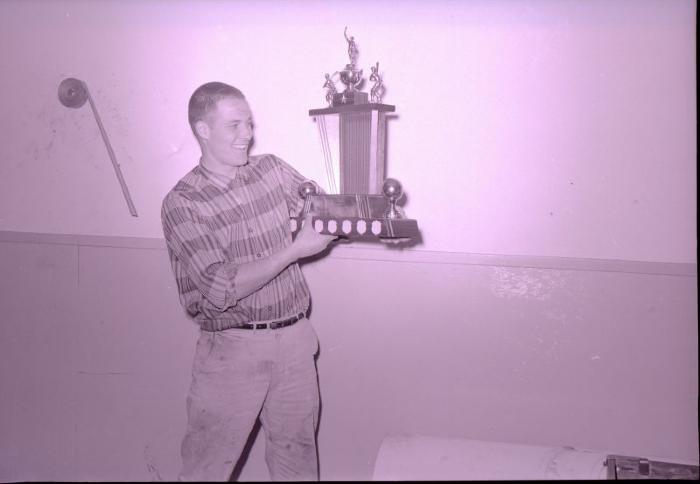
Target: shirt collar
column 222, row 181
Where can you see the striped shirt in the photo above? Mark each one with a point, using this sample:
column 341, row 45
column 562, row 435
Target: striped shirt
column 212, row 224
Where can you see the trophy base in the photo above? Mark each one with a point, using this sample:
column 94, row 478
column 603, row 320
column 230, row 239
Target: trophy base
column 356, row 217
column 349, row 97
column 356, row 228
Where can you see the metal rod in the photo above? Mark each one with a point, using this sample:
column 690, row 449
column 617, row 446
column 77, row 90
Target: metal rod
column 112, row 157
column 323, row 133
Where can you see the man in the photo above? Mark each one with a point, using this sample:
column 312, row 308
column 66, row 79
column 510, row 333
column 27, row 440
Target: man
column 226, row 226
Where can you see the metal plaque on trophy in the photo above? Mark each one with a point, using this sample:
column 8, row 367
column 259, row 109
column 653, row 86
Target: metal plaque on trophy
column 361, row 202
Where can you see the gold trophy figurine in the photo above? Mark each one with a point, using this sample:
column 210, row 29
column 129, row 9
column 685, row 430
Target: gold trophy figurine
column 350, row 76
column 331, row 90
column 377, row 90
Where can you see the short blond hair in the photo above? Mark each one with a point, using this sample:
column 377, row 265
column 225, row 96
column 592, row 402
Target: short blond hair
column 204, row 99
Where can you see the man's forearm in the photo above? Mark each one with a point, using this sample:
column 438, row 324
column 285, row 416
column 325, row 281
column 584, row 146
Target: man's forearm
column 251, row 276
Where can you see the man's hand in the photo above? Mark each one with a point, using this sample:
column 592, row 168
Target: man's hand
column 309, row 242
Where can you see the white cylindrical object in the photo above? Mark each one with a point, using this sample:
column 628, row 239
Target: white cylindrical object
column 437, row 458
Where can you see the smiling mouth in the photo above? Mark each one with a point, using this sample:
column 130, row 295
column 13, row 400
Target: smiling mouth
column 242, row 146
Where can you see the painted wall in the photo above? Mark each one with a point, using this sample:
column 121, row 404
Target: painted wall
column 560, row 128
column 96, row 356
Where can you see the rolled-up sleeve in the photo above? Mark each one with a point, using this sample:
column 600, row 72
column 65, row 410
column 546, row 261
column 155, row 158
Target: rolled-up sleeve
column 198, row 252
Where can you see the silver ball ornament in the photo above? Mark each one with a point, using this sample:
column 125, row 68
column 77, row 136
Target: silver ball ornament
column 307, row 188
column 392, row 189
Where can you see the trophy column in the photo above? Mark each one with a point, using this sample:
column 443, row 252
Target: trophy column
column 362, row 144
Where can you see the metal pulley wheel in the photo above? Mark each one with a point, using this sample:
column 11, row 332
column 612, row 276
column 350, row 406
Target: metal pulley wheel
column 72, row 93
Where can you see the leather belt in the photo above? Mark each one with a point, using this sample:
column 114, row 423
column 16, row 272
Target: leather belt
column 274, row 324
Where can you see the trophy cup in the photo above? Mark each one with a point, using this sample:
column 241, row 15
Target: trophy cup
column 362, row 202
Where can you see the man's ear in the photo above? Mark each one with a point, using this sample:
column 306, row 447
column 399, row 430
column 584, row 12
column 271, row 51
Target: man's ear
column 202, row 129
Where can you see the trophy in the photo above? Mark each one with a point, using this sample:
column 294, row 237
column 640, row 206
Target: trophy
column 361, row 202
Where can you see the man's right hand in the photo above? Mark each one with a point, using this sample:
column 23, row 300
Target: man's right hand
column 309, row 242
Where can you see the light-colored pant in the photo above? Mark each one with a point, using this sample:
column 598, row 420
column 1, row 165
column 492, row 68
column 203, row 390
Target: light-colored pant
column 239, row 374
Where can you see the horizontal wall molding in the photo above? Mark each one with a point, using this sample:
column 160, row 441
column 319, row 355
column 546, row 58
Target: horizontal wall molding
column 364, row 251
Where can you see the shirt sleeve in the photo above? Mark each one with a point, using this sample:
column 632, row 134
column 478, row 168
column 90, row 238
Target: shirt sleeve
column 198, row 251
column 291, row 179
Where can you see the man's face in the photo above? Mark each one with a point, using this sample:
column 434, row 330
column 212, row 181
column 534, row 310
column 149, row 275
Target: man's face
column 228, row 132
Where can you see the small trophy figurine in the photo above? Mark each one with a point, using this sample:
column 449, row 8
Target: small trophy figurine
column 350, row 76
column 377, row 90
column 352, row 47
column 331, row 91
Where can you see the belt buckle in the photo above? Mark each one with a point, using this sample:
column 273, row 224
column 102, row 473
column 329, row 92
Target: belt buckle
column 280, row 324
column 285, row 322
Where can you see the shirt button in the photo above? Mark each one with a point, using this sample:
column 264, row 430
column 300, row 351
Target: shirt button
column 258, row 255
column 250, row 231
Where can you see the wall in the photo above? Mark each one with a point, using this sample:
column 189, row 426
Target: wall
column 561, row 128
column 540, row 351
